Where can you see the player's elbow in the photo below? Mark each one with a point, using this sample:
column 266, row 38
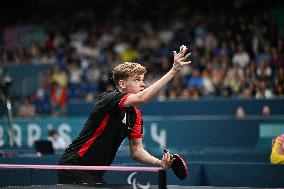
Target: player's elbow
column 134, row 154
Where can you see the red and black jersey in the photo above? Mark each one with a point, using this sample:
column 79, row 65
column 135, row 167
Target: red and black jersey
column 107, row 126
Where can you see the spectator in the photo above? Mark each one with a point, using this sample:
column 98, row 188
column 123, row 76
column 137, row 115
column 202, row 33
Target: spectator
column 263, row 91
column 240, row 112
column 75, row 73
column 129, row 54
column 41, row 100
column 57, row 141
column 265, row 111
column 277, row 152
column 263, row 55
column 241, row 57
column 277, row 60
column 58, row 99
column 195, row 80
column 60, row 76
column 264, row 71
column 246, row 51
column 27, row 109
column 93, row 74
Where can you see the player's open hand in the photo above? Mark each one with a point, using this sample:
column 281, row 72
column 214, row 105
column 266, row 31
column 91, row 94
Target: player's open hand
column 181, row 58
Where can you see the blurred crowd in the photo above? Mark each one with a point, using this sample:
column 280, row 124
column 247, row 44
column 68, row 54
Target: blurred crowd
column 234, row 54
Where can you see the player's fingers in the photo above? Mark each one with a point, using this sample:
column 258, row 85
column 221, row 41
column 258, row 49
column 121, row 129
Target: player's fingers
column 188, row 62
column 181, row 53
column 166, row 156
column 172, row 160
column 186, row 56
column 167, row 159
column 177, row 55
column 180, row 58
column 183, row 58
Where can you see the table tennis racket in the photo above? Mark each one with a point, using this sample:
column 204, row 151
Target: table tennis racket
column 178, row 166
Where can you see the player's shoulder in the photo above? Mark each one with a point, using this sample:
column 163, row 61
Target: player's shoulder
column 111, row 94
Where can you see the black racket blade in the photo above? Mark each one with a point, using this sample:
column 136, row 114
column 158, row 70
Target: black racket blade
column 179, row 166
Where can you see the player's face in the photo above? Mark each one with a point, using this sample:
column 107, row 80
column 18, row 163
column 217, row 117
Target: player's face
column 135, row 84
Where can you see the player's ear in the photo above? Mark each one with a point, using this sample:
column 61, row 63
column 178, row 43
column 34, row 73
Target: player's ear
column 122, row 84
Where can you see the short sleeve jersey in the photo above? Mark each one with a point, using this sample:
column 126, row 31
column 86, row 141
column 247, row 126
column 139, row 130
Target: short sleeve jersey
column 107, row 126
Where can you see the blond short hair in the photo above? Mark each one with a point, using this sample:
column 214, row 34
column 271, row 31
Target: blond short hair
column 126, row 70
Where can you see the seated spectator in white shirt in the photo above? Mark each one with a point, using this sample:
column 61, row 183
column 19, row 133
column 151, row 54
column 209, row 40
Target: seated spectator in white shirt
column 57, row 142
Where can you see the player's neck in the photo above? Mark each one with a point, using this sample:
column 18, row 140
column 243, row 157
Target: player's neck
column 121, row 90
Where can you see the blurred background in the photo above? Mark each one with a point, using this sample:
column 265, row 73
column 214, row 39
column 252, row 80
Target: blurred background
column 221, row 111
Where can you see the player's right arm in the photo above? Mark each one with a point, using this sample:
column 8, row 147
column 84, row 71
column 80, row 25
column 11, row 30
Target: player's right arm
column 138, row 153
column 148, row 93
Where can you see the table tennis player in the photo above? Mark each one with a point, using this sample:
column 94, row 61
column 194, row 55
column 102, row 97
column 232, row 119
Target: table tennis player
column 114, row 117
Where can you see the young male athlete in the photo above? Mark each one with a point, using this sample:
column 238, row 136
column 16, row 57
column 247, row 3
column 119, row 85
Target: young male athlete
column 115, row 117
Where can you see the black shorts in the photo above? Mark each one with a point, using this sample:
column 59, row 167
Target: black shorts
column 80, row 177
